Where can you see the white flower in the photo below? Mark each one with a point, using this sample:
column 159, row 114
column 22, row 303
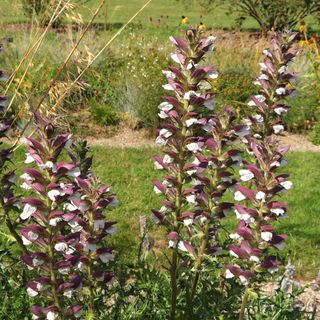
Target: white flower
column 259, row 97
column 54, row 221
column 212, row 164
column 165, row 106
column 213, row 75
column 49, row 165
column 111, row 230
column 280, row 110
column 267, row 53
column 188, row 95
column 25, row 241
column 90, row 247
column 191, row 198
column 106, row 257
column 165, row 209
column 280, row 246
column 283, row 69
column 172, row 243
column 210, row 104
column 68, row 293
column 175, row 58
column 287, row 184
column 52, row 194
column 277, row 211
column 168, row 87
column 193, row 147
column 278, row 128
column 64, row 270
column 191, row 121
column 238, row 196
column 80, row 266
column 156, row 190
column 266, row 236
column 281, row 91
column 254, row 259
column 167, row 159
column 246, row 175
column 61, row 247
column 245, row 217
column 29, row 158
column 258, row 118
column 28, row 210
column 182, row 247
column 244, row 280
column 37, row 262
column 261, row 196
column 188, row 222
column 70, row 207
column 157, row 165
column 162, row 115
column 75, row 172
column 232, row 253
column 31, row 292
column 228, row 274
column 51, row 315
column 263, row 77
column 168, row 74
column 243, row 132
column 236, row 237
column 272, row 270
column 25, row 186
column 32, row 236
column 99, row 224
column 263, row 66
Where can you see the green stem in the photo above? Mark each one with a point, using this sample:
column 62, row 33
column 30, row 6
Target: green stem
column 53, row 276
column 244, row 303
column 14, row 233
column 199, row 261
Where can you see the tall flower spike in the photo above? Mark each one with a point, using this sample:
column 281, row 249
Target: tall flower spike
column 64, row 226
column 185, row 116
column 8, row 200
column 94, row 228
column 275, row 82
column 260, row 185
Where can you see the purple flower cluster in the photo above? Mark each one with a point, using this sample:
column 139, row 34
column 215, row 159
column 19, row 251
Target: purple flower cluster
column 260, row 185
column 275, row 82
column 199, row 158
column 64, row 226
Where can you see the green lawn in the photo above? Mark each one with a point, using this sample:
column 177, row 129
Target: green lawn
column 119, row 11
column 130, row 172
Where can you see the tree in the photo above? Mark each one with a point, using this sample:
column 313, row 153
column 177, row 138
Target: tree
column 269, row 14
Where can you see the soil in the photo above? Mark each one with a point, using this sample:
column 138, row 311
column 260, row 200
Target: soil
column 128, row 138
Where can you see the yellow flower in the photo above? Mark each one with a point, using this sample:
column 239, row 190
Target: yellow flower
column 201, row 26
column 303, row 27
column 184, row 19
column 303, row 43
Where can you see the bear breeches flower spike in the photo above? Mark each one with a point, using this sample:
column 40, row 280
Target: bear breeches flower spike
column 8, row 201
column 197, row 160
column 64, row 227
column 260, row 185
column 181, row 114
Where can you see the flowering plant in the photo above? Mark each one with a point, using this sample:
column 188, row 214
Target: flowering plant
column 260, row 185
column 64, row 227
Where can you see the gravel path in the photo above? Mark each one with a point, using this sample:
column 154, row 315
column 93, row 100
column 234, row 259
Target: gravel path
column 126, row 138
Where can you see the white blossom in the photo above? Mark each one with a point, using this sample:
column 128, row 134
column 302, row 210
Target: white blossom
column 28, row 210
column 246, row 175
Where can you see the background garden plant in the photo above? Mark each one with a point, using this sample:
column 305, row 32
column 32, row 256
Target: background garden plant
column 211, row 154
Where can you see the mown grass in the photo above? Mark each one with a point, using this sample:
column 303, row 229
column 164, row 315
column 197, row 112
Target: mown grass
column 130, row 172
column 168, row 12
